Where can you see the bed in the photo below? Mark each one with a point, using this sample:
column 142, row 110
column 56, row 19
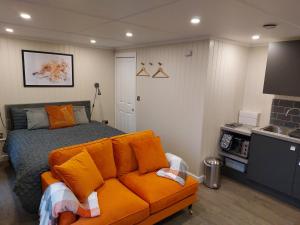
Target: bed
column 28, row 150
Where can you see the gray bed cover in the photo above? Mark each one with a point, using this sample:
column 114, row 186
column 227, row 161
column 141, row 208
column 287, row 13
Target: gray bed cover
column 28, row 151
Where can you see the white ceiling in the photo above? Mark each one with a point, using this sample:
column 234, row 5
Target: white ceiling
column 150, row 21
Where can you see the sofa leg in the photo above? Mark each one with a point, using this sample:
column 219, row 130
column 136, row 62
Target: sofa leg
column 190, row 208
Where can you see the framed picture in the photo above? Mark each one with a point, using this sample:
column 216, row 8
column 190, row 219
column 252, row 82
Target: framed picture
column 47, row 69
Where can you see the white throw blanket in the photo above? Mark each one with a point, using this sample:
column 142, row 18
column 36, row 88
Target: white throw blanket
column 177, row 171
column 59, row 198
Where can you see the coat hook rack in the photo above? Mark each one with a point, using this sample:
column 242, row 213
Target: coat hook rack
column 143, row 72
column 161, row 72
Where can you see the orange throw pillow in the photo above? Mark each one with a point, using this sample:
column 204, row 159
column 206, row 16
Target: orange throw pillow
column 124, row 156
column 150, row 155
column 101, row 152
column 81, row 175
column 62, row 155
column 60, row 116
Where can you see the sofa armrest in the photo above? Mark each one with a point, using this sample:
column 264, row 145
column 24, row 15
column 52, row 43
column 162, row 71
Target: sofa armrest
column 47, row 179
column 65, row 218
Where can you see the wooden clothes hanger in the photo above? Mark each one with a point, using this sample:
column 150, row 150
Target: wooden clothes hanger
column 143, row 71
column 160, row 71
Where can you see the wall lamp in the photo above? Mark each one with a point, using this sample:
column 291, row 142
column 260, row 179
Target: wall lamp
column 97, row 92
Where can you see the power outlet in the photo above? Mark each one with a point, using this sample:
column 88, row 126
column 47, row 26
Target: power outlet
column 105, row 122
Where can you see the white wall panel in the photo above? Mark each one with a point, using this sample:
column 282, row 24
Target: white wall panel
column 173, row 107
column 224, row 91
column 203, row 92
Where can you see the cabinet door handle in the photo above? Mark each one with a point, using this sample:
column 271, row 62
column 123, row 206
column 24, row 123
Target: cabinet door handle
column 299, row 163
column 293, row 148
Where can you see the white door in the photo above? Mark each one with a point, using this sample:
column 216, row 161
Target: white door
column 125, row 93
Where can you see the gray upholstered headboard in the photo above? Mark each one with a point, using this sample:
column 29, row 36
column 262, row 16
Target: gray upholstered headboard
column 9, row 122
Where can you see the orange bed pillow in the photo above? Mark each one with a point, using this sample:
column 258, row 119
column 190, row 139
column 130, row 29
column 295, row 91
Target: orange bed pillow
column 124, row 156
column 81, row 175
column 150, row 154
column 60, row 116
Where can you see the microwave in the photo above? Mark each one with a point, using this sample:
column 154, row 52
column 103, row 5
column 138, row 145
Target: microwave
column 235, row 144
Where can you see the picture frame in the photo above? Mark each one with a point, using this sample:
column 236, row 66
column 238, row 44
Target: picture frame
column 47, row 69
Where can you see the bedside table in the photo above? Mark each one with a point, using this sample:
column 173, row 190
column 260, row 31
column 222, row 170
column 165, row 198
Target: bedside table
column 3, row 156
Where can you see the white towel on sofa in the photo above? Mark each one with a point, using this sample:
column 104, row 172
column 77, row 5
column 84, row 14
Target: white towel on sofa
column 177, row 171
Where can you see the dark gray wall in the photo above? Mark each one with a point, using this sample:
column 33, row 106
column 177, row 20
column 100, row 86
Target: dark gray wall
column 279, row 108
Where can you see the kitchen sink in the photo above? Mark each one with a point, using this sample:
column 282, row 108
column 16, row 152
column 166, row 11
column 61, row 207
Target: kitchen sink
column 276, row 129
column 295, row 133
column 282, row 130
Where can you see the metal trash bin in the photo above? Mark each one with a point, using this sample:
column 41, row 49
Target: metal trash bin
column 212, row 169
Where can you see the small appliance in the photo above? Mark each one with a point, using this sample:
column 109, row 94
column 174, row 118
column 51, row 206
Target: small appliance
column 234, row 144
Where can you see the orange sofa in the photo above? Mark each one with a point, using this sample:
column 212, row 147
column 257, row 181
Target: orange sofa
column 126, row 198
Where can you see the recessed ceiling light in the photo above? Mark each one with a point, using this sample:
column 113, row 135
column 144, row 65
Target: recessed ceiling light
column 129, row 34
column 93, row 41
column 9, row 30
column 25, row 16
column 255, row 37
column 195, row 20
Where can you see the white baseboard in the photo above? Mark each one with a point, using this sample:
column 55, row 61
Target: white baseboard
column 199, row 178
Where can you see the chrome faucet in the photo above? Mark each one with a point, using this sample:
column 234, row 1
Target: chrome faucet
column 291, row 109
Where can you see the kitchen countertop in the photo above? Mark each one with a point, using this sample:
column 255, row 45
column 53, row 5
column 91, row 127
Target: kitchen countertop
column 248, row 130
column 244, row 129
column 284, row 137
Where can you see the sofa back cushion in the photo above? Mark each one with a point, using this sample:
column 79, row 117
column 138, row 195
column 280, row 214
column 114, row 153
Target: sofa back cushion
column 80, row 174
column 101, row 152
column 103, row 155
column 124, row 156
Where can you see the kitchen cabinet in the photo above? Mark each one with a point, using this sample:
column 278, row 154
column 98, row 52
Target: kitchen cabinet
column 282, row 70
column 296, row 186
column 272, row 163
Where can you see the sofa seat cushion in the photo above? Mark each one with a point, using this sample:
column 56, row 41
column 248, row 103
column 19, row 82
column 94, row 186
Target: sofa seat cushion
column 118, row 206
column 159, row 192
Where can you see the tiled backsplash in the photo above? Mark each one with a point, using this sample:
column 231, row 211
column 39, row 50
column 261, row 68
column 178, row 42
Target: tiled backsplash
column 279, row 109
